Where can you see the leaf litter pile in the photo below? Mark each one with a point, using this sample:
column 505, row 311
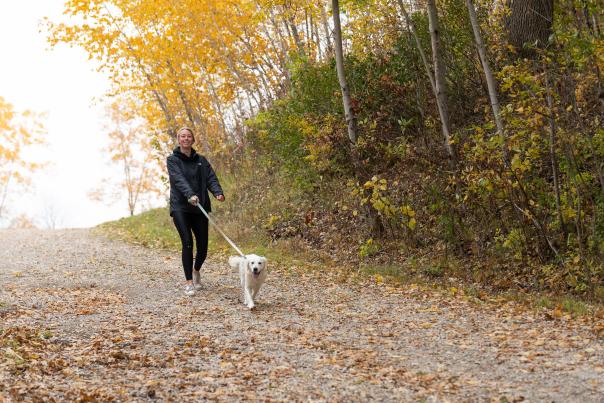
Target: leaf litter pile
column 84, row 318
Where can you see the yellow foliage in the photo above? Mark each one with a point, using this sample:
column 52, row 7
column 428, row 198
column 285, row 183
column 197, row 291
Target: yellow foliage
column 201, row 63
column 17, row 132
column 374, row 192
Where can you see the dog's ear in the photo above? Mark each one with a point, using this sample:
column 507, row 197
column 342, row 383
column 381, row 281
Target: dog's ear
column 263, row 260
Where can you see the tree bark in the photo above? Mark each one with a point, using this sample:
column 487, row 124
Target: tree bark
column 349, row 113
column 439, row 78
column 284, row 51
column 491, row 85
column 529, row 25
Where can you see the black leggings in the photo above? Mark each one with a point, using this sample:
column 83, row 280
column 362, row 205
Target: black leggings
column 185, row 222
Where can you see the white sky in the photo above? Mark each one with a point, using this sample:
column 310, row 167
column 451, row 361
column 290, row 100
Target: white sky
column 63, row 83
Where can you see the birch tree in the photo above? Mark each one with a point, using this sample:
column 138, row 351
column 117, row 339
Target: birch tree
column 491, row 85
column 439, row 79
column 437, row 90
column 339, row 53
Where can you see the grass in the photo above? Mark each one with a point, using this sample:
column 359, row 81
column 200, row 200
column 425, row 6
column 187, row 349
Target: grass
column 391, row 273
column 566, row 304
column 575, row 307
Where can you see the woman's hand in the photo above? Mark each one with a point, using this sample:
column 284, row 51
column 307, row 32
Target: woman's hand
column 220, row 198
column 194, row 200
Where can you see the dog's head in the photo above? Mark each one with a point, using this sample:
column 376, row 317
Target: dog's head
column 255, row 264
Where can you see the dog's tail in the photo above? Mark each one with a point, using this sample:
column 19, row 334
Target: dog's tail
column 234, row 261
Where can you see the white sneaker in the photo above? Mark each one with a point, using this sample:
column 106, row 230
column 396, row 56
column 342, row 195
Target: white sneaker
column 189, row 290
column 196, row 280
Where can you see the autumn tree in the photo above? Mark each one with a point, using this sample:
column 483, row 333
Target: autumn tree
column 206, row 64
column 130, row 146
column 351, row 120
column 17, row 132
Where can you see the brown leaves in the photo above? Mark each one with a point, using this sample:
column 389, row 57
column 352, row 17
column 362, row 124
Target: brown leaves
column 21, row 348
column 78, row 301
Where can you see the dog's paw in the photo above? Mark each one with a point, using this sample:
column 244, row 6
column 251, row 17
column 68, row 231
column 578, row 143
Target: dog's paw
column 251, row 306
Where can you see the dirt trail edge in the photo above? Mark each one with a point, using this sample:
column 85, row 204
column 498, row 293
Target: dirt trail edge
column 86, row 318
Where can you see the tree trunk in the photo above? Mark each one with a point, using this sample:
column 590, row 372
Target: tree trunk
column 439, row 79
column 314, row 30
column 217, row 104
column 442, row 110
column 228, row 59
column 293, row 29
column 552, row 149
column 349, row 113
column 422, row 54
column 529, row 24
column 326, row 31
column 307, row 34
column 491, row 85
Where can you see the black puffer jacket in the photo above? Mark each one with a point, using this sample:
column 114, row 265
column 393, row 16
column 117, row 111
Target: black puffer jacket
column 191, row 176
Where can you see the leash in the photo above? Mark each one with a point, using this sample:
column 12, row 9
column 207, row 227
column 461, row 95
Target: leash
column 219, row 230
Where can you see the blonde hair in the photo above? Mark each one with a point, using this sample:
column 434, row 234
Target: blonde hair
column 187, row 128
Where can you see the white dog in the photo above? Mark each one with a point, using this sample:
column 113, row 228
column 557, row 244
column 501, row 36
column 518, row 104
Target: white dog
column 252, row 272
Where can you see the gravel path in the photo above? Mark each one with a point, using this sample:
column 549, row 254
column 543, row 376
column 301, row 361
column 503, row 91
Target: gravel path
column 86, row 318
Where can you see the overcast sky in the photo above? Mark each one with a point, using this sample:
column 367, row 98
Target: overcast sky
column 64, row 84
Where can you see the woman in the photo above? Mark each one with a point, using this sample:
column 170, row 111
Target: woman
column 191, row 176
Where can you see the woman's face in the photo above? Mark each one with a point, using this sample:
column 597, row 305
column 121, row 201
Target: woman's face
column 185, row 139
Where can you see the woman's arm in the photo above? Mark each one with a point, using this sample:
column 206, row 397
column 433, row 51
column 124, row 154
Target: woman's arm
column 178, row 178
